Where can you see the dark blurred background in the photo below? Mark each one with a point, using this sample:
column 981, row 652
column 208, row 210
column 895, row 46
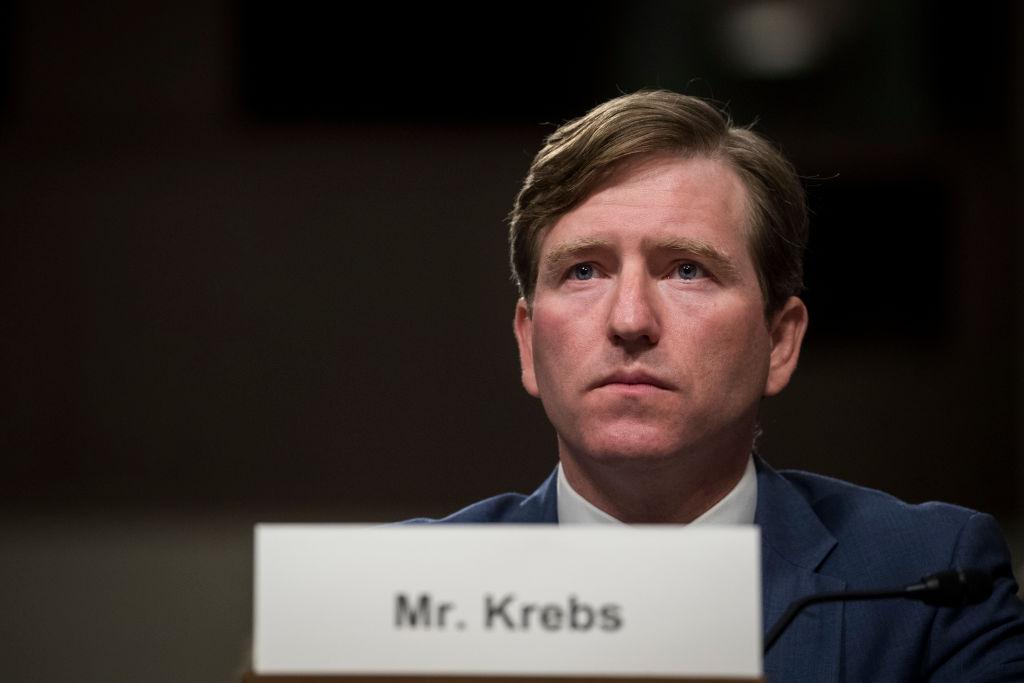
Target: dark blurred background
column 253, row 268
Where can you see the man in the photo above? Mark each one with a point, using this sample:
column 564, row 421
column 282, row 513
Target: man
column 658, row 254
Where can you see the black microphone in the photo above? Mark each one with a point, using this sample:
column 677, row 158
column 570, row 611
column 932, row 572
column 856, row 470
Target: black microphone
column 951, row 588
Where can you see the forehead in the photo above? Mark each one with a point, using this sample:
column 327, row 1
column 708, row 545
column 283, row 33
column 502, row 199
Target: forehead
column 662, row 198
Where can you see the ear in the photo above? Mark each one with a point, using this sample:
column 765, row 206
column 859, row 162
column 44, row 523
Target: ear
column 524, row 337
column 787, row 333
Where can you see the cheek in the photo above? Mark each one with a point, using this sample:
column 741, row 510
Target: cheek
column 751, row 358
column 558, row 344
column 734, row 345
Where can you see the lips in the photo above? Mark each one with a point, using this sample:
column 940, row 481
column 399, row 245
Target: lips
column 635, row 378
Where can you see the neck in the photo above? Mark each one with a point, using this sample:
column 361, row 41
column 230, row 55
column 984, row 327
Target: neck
column 654, row 491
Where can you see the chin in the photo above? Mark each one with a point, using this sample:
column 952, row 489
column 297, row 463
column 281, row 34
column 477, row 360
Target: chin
column 631, row 444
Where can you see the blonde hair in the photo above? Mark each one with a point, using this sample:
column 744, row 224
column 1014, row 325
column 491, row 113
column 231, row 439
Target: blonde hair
column 582, row 153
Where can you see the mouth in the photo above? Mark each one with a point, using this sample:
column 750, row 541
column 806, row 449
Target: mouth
column 634, row 380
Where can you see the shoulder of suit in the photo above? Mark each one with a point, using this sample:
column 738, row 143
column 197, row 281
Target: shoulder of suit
column 503, row 508
column 875, row 524
column 507, row 508
column 843, row 500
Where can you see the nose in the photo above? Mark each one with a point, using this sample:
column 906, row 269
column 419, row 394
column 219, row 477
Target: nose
column 633, row 319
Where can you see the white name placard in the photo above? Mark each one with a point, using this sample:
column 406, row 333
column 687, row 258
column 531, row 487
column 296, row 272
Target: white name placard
column 503, row 599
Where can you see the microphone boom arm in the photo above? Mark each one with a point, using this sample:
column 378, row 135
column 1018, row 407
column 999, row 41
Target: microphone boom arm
column 796, row 607
column 949, row 588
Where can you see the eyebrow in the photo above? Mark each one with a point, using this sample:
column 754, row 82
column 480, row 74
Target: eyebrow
column 564, row 254
column 723, row 267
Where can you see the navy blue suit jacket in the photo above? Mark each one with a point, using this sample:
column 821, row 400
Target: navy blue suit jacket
column 820, row 534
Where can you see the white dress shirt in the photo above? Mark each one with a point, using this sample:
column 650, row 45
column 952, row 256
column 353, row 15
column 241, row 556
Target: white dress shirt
column 737, row 507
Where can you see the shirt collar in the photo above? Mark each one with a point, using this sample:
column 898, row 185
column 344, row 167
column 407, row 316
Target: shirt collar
column 737, row 507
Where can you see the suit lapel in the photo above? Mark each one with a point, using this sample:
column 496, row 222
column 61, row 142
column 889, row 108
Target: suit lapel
column 794, row 543
column 541, row 506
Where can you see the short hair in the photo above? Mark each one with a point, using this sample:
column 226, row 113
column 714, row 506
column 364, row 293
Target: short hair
column 582, row 153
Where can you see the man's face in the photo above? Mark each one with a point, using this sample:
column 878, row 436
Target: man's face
column 647, row 336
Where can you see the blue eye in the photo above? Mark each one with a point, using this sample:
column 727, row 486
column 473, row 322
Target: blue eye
column 582, row 271
column 689, row 271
